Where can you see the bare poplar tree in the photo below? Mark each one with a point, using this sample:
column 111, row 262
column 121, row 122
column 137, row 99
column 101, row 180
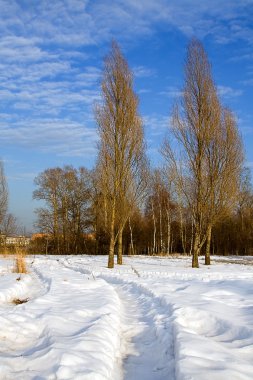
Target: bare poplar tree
column 209, row 145
column 121, row 159
column 224, row 164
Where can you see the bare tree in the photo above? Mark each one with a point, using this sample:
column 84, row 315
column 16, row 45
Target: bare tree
column 121, row 159
column 224, row 164
column 159, row 208
column 48, row 191
column 66, row 214
column 3, row 194
column 173, row 175
column 206, row 134
column 10, row 225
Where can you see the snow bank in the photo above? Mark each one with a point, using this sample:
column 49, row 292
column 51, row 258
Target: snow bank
column 70, row 332
column 14, row 286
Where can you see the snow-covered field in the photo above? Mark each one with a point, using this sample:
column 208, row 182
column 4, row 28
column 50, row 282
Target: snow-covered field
column 152, row 318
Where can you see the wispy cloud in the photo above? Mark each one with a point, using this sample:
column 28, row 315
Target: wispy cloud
column 46, row 104
column 225, row 21
column 247, row 82
column 83, row 23
column 143, row 72
column 228, row 92
column 156, row 124
column 48, row 76
column 171, row 92
column 59, row 136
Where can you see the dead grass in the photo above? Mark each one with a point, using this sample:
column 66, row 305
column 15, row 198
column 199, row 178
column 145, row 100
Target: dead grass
column 18, row 301
column 6, row 252
column 20, row 263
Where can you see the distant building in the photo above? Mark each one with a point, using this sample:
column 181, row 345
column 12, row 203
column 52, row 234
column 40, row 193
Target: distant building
column 20, row 241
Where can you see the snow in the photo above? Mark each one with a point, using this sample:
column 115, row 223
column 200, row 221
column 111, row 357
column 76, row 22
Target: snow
column 152, row 318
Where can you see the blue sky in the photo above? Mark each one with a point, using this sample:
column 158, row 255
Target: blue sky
column 51, row 56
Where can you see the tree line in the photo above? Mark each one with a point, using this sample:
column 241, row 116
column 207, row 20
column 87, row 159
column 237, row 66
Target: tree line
column 8, row 222
column 199, row 201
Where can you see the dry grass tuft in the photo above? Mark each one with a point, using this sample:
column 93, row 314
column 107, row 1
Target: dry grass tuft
column 5, row 253
column 20, row 261
column 18, row 301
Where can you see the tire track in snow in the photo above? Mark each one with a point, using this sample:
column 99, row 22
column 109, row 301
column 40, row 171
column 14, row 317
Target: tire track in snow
column 147, row 337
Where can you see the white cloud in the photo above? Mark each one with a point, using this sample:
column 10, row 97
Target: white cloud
column 156, row 124
column 49, row 88
column 23, row 49
column 228, row 92
column 83, row 23
column 60, row 136
column 143, row 72
column 144, row 91
column 171, row 92
column 44, row 75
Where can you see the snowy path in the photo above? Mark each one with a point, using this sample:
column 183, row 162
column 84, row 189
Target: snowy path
column 147, row 347
column 147, row 338
column 209, row 334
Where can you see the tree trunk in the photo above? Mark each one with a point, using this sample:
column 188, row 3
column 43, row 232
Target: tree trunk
column 131, row 237
column 154, row 232
column 56, row 227
column 208, row 244
column 168, row 231
column 112, row 241
column 196, row 249
column 119, row 253
column 111, row 253
column 182, row 232
column 46, row 245
column 160, row 226
column 192, row 235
